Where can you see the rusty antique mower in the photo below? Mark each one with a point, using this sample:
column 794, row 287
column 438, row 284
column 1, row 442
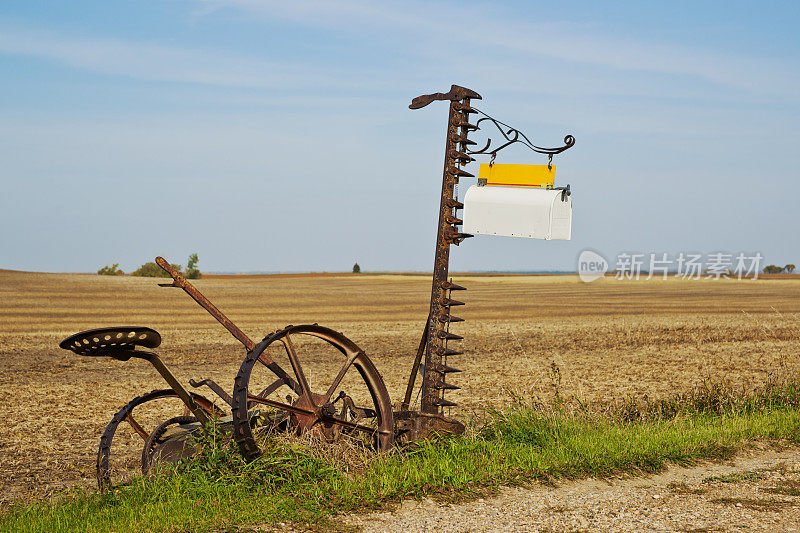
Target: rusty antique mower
column 272, row 391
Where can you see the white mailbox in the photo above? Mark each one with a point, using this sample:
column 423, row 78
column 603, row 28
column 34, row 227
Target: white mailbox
column 532, row 212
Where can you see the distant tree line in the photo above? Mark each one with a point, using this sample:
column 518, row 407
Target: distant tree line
column 775, row 269
column 112, row 270
column 152, row 270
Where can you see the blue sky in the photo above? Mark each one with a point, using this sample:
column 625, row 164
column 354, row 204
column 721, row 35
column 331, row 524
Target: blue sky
column 275, row 136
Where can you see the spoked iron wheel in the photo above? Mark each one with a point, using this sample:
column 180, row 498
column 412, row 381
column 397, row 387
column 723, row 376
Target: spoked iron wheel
column 351, row 401
column 126, row 447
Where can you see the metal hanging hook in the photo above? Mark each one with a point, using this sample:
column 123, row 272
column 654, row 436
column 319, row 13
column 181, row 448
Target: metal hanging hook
column 550, row 162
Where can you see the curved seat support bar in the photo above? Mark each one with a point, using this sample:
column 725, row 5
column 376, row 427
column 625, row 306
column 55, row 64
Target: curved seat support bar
column 182, row 393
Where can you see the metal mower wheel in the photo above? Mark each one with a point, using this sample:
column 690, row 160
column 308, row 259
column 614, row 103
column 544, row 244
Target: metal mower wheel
column 105, row 469
column 170, row 441
column 352, row 403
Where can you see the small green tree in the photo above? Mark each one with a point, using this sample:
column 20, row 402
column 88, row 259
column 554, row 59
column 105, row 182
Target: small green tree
column 112, row 270
column 790, row 268
column 356, row 269
column 152, row 270
column 772, row 269
column 192, row 272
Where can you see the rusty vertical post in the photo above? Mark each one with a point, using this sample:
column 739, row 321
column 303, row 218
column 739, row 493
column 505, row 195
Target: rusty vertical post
column 436, row 350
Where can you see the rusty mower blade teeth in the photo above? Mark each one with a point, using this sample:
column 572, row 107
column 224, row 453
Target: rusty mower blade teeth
column 464, row 174
column 457, row 238
column 453, row 203
column 453, row 236
column 445, row 352
column 447, row 302
column 466, row 125
column 446, row 335
column 456, row 138
column 444, row 369
column 447, row 386
column 444, row 317
column 461, row 156
column 448, row 369
column 450, row 219
column 441, row 402
column 450, row 286
column 459, row 173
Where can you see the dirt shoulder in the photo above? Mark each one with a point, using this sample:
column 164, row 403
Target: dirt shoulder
column 759, row 489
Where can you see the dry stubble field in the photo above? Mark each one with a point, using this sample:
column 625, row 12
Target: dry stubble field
column 609, row 339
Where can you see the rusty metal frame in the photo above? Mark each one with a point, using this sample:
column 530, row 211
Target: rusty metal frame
column 180, row 281
column 437, row 335
column 434, row 344
column 440, row 314
column 403, row 425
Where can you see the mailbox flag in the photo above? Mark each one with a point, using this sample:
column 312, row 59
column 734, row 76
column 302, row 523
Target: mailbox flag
column 542, row 176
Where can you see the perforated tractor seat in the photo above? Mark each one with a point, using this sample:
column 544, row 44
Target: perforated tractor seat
column 118, row 342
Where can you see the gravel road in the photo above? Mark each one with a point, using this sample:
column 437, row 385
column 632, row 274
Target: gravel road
column 757, row 490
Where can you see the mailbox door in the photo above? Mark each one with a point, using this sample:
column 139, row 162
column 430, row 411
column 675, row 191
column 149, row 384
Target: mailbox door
column 561, row 220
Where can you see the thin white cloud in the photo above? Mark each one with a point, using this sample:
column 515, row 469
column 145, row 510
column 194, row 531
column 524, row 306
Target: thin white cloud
column 155, row 62
column 423, row 35
column 445, row 29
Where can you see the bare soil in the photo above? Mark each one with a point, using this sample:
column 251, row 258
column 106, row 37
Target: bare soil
column 758, row 490
column 607, row 340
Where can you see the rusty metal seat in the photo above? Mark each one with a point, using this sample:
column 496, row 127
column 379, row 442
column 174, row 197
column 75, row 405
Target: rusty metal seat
column 120, row 343
column 117, row 342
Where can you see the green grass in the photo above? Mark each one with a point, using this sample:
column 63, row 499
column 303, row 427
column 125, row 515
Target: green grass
column 526, row 443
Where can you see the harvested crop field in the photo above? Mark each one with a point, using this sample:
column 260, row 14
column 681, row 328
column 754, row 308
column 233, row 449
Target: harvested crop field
column 523, row 335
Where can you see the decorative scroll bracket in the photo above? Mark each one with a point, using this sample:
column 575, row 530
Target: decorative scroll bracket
column 511, row 136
